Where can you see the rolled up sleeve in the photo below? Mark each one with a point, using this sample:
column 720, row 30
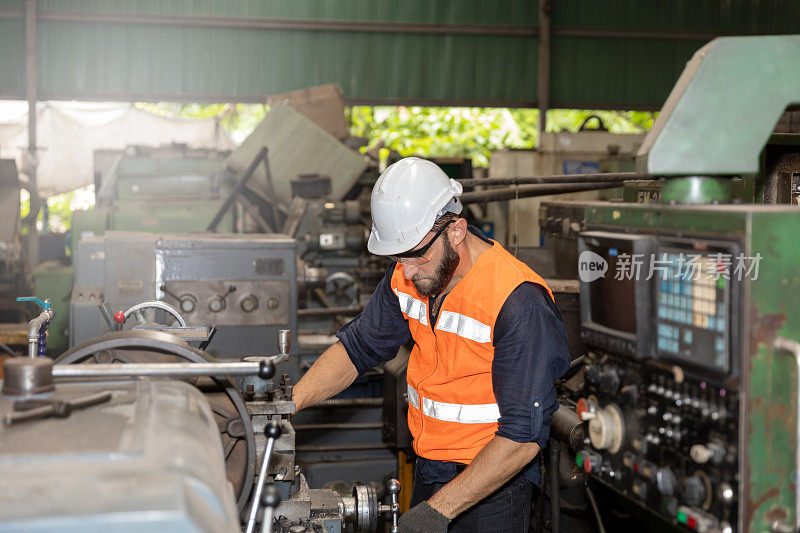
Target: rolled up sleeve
column 530, row 353
column 374, row 336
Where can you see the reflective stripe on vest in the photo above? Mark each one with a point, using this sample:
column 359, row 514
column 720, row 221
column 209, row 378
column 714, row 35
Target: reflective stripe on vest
column 413, row 399
column 487, row 413
column 412, row 307
column 464, row 326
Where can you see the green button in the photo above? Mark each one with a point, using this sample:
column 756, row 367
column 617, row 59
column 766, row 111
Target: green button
column 721, row 282
column 579, row 460
column 681, row 517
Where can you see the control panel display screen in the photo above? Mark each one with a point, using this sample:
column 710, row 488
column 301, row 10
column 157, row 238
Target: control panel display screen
column 692, row 302
column 613, row 299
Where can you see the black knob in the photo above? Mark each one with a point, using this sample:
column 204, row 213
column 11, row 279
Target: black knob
column 272, row 431
column 609, row 382
column 266, row 369
column 270, row 497
column 593, row 373
column 694, row 491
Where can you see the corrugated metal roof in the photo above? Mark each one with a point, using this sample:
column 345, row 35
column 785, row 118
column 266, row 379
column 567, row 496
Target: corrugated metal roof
column 611, row 53
column 449, row 11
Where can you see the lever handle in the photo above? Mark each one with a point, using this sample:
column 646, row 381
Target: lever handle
column 284, row 341
column 38, row 301
column 393, row 487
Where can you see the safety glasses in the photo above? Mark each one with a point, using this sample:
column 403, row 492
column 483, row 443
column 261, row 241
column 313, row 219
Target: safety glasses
column 421, row 256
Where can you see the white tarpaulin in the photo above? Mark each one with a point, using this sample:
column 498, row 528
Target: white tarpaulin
column 67, row 134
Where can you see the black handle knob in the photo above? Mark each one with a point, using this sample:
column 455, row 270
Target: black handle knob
column 272, row 431
column 270, row 497
column 266, row 369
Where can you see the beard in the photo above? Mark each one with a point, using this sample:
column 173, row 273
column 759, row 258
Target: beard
column 444, row 273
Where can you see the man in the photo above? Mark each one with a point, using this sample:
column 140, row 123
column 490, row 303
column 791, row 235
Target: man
column 489, row 342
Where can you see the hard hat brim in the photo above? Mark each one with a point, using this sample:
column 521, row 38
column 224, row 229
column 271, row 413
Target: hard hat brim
column 378, row 247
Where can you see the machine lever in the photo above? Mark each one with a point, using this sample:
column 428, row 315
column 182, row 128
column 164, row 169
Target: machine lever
column 270, row 500
column 36, row 409
column 273, row 432
column 393, row 488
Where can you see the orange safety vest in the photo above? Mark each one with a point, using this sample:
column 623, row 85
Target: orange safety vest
column 452, row 411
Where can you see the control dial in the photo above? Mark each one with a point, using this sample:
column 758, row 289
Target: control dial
column 607, row 429
column 697, row 490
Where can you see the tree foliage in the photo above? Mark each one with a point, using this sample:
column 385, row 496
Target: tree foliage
column 475, row 132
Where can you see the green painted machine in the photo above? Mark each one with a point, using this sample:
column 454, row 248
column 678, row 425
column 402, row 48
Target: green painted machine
column 169, row 189
column 690, row 309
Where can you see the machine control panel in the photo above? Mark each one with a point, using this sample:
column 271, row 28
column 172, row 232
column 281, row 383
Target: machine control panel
column 671, row 446
column 663, row 411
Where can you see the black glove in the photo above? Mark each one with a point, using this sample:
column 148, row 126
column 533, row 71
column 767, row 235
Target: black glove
column 423, row 518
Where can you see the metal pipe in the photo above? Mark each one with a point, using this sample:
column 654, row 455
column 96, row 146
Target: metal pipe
column 543, row 66
column 354, row 425
column 362, row 26
column 568, row 428
column 342, row 447
column 262, row 476
column 266, row 524
column 269, row 23
column 325, row 311
column 32, row 95
column 170, row 370
column 348, row 402
column 528, row 191
column 34, row 331
column 558, row 178
column 789, row 346
column 158, row 304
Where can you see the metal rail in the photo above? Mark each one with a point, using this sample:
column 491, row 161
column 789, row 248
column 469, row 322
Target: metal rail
column 789, row 346
column 558, row 178
column 171, row 370
column 529, row 191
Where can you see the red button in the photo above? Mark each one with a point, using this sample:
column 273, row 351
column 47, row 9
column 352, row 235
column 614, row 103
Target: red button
column 636, row 466
column 691, row 522
column 581, row 408
column 119, row 317
column 587, row 465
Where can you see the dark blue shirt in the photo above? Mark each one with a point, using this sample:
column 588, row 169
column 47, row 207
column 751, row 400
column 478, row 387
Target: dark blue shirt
column 530, row 353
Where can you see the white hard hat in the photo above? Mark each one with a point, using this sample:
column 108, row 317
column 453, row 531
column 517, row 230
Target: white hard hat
column 407, row 199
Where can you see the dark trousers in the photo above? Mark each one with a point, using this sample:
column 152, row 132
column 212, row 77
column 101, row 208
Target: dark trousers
column 507, row 510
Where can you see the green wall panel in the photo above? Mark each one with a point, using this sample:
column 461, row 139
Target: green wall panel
column 604, row 53
column 137, row 61
column 12, row 58
column 616, row 73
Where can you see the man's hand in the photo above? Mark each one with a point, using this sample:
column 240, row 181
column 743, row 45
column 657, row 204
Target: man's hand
column 422, row 518
column 498, row 461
